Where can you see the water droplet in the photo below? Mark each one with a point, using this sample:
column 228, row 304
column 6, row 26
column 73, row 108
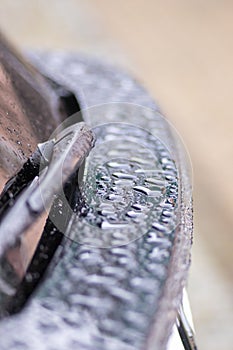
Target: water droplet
column 117, row 165
column 106, row 212
column 142, row 189
column 147, row 191
column 113, row 197
column 123, row 183
column 133, row 214
column 107, row 225
column 124, row 176
column 167, row 213
column 159, row 227
column 170, row 178
column 138, row 206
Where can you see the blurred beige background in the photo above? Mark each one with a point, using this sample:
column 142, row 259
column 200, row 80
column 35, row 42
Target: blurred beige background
column 183, row 53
